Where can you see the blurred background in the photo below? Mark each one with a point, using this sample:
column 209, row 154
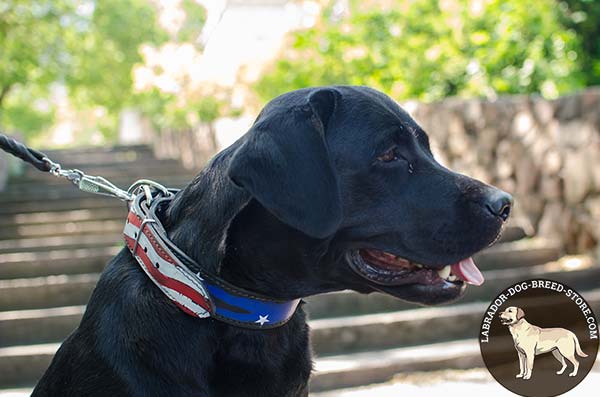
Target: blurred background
column 509, row 92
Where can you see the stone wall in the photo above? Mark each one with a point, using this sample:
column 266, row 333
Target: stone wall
column 546, row 153
column 193, row 147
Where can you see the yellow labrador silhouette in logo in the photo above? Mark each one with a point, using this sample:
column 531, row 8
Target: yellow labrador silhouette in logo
column 531, row 340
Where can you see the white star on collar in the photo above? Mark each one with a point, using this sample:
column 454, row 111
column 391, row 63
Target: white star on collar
column 262, row 320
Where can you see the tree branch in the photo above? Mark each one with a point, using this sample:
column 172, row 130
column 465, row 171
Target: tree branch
column 3, row 93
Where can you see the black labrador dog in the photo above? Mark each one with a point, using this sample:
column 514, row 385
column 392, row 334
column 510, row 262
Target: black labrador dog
column 332, row 188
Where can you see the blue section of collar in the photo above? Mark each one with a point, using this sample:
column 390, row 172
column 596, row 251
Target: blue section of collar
column 249, row 311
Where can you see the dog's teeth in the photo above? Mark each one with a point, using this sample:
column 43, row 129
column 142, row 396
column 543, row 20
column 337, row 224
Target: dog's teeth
column 444, row 272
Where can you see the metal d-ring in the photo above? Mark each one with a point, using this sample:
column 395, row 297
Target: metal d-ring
column 137, row 238
column 148, row 182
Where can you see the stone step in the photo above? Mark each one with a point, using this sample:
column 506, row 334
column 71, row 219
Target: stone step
column 60, row 189
column 16, row 392
column 22, row 366
column 79, row 160
column 581, row 272
column 34, row 244
column 356, row 369
column 44, row 292
column 55, row 262
column 125, row 176
column 100, row 155
column 525, row 252
column 513, row 231
column 61, row 217
column 99, row 159
column 36, row 326
column 28, row 187
column 443, row 382
column 67, row 153
column 92, row 202
column 147, row 162
column 143, row 170
column 408, row 327
column 110, row 227
column 471, row 382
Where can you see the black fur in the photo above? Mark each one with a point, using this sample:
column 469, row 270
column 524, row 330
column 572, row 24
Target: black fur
column 276, row 213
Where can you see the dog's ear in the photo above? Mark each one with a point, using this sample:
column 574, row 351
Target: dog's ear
column 520, row 313
column 284, row 163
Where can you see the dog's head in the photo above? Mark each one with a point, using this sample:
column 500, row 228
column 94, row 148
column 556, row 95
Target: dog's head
column 348, row 166
column 511, row 315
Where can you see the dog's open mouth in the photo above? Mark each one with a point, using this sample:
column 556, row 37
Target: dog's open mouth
column 387, row 269
column 505, row 321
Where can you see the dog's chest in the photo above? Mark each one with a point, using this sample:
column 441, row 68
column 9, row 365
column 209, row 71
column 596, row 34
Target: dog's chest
column 263, row 365
column 524, row 335
column 274, row 362
column 518, row 336
column 263, row 380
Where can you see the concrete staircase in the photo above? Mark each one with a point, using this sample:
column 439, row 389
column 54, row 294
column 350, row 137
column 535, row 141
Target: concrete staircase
column 55, row 240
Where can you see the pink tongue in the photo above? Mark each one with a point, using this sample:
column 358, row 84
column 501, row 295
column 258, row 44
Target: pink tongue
column 467, row 271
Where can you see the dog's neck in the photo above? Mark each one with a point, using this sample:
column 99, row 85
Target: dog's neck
column 266, row 255
column 233, row 236
column 200, row 214
column 519, row 325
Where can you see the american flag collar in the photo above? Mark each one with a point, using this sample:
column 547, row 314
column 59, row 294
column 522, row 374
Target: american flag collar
column 182, row 280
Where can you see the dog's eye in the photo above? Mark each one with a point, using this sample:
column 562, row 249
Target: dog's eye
column 388, row 156
column 392, row 156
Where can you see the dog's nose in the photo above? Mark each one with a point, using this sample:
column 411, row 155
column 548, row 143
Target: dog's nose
column 499, row 203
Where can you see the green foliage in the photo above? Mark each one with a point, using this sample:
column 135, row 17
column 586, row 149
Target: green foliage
column 31, row 49
column 208, row 109
column 105, row 49
column 430, row 49
column 195, row 17
column 186, row 105
column 26, row 113
column 583, row 16
column 89, row 46
column 31, row 44
column 167, row 112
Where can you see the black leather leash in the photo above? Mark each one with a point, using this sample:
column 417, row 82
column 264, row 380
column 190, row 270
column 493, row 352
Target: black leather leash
column 34, row 157
column 86, row 183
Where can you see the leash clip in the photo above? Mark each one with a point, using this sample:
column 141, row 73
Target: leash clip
column 88, row 183
column 100, row 185
column 74, row 176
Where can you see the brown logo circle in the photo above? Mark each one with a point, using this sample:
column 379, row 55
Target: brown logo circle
column 539, row 338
